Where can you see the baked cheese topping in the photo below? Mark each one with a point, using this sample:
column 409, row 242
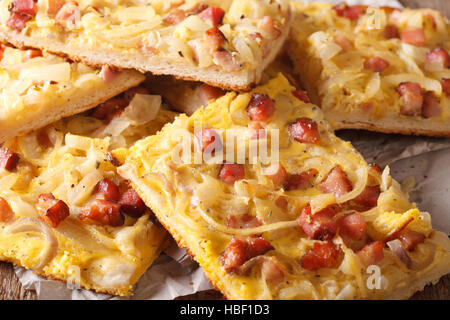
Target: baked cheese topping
column 374, row 61
column 230, row 34
column 304, row 227
column 64, row 211
column 31, row 79
column 37, row 88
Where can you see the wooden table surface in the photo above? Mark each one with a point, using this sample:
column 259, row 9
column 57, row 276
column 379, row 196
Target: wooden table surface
column 11, row 289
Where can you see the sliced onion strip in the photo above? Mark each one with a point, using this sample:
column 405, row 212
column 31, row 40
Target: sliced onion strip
column 31, row 224
column 248, row 231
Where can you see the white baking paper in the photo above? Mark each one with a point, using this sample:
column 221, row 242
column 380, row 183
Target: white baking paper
column 174, row 274
column 432, row 192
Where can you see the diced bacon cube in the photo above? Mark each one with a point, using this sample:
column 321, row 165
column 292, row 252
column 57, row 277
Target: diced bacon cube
column 18, row 21
column 131, row 204
column 349, row 12
column 410, row 239
column 260, row 107
column 322, row 255
column 6, row 213
column 336, row 183
column 319, row 226
column 352, row 225
column 69, row 12
column 108, row 189
column 240, row 250
column 391, row 32
column 376, row 64
column 413, row 36
column 103, row 212
column 301, row 181
column 301, row 95
column 52, row 210
column 8, row 159
column 440, row 56
column 231, row 172
column 214, row 38
column 411, row 98
column 213, row 14
column 368, row 197
column 371, row 253
column 305, row 130
column 26, row 7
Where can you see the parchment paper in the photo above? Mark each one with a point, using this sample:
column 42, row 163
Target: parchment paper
column 174, row 274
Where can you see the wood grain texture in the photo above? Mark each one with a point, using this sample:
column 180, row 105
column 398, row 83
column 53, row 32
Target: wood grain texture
column 11, row 289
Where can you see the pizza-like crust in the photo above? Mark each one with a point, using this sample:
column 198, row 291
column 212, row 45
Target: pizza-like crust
column 153, row 42
column 213, row 217
column 330, row 53
column 67, row 159
column 31, row 98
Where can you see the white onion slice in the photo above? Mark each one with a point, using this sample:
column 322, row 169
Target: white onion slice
column 397, row 249
column 426, row 83
column 31, row 224
column 59, row 72
column 326, row 47
column 248, row 231
column 83, row 190
column 142, row 109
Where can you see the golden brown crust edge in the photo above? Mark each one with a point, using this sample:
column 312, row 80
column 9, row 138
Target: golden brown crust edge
column 10, row 38
column 434, row 129
column 244, row 79
column 126, row 80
